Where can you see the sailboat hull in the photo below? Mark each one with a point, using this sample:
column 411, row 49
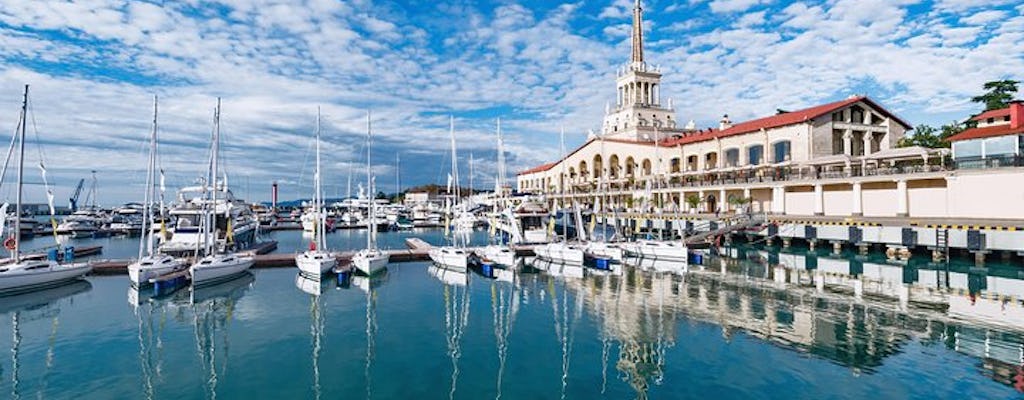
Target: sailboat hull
column 658, row 250
column 450, row 257
column 39, row 275
column 500, row 255
column 560, row 253
column 217, row 268
column 142, row 271
column 315, row 262
column 370, row 262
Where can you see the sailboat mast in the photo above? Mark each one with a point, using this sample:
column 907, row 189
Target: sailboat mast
column 455, row 162
column 499, row 182
column 371, row 223
column 21, row 176
column 318, row 228
column 212, row 234
column 147, row 214
column 565, row 225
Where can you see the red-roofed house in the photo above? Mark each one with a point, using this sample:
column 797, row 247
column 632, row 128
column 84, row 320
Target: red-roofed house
column 998, row 140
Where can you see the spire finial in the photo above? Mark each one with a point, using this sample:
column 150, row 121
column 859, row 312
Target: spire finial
column 638, row 34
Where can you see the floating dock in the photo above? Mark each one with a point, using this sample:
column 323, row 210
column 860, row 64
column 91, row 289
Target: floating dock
column 418, row 250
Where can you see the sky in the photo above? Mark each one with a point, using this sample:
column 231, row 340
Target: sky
column 95, row 65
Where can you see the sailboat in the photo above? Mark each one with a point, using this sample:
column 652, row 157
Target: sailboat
column 20, row 274
column 317, row 259
column 151, row 264
column 563, row 251
column 370, row 260
column 455, row 256
column 675, row 251
column 499, row 253
column 216, row 265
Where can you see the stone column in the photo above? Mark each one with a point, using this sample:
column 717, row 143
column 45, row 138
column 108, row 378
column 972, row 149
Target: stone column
column 819, row 200
column 902, row 209
column 858, row 206
column 746, row 195
column 848, row 142
column 723, row 204
column 867, row 142
column 779, row 200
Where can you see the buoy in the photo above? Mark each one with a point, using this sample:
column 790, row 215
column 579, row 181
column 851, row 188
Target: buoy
column 10, row 243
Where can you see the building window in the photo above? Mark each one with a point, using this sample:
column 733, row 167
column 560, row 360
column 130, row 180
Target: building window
column 991, row 120
column 732, row 157
column 781, row 151
column 755, row 154
column 837, row 141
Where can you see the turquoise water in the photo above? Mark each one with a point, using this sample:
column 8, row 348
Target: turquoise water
column 708, row 333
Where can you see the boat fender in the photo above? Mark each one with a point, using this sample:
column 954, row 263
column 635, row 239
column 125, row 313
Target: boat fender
column 10, row 243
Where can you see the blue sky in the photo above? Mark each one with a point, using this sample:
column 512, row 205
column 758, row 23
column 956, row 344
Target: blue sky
column 539, row 65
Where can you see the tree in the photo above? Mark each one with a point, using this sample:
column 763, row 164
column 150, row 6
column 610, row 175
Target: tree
column 930, row 137
column 999, row 94
column 693, row 201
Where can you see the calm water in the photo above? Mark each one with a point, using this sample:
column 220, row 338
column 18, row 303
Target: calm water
column 409, row 334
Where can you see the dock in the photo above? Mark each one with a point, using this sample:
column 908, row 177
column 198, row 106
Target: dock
column 83, row 251
column 416, row 250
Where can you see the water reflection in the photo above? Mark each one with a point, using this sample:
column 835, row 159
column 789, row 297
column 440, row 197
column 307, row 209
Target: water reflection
column 213, row 309
column 456, row 314
column 504, row 307
column 317, row 317
column 40, row 305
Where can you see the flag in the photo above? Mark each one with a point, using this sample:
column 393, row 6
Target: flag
column 450, row 179
column 162, row 186
column 3, row 217
column 551, row 226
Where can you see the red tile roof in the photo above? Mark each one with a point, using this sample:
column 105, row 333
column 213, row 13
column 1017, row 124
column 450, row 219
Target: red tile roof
column 986, row 132
column 998, row 114
column 780, row 120
column 541, row 168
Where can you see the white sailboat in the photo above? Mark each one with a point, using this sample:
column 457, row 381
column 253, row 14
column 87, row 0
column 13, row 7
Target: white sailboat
column 455, row 256
column 24, row 275
column 562, row 251
column 370, row 260
column 216, row 266
column 151, row 264
column 499, row 253
column 661, row 250
column 317, row 260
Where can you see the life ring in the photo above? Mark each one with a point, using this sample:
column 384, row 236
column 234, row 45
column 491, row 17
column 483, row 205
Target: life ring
column 10, row 243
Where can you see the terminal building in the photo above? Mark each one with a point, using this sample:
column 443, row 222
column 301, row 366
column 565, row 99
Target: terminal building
column 838, row 159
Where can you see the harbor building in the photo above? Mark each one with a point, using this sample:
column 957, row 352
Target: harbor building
column 837, row 159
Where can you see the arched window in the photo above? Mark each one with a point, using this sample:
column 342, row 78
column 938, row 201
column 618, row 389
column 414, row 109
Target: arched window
column 755, row 154
column 630, row 166
column 781, row 151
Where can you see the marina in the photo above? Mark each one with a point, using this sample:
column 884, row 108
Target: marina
column 631, row 334
column 836, row 247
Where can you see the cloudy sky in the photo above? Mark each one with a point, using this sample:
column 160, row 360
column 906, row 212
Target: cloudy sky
column 94, row 66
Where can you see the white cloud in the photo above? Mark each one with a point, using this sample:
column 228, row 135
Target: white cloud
column 983, row 17
column 732, row 6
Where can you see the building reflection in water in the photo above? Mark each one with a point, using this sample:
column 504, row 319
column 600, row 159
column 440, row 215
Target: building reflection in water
column 852, row 311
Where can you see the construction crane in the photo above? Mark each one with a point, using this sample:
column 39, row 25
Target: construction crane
column 74, row 197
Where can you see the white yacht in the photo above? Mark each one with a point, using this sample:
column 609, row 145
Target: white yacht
column 150, row 263
column 317, row 260
column 21, row 275
column 657, row 250
column 81, row 223
column 370, row 260
column 607, row 250
column 216, row 266
column 235, row 222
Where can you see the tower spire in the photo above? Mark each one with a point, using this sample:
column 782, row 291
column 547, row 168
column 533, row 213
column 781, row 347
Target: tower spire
column 638, row 34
